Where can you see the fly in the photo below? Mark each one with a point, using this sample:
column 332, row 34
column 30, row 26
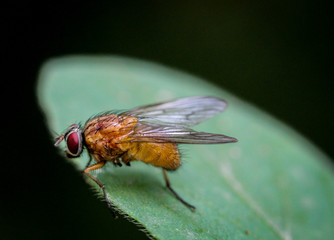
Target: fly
column 150, row 134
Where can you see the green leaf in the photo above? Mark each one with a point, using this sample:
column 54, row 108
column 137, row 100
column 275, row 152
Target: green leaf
column 272, row 184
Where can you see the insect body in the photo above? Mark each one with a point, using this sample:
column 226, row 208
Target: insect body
column 149, row 134
column 108, row 138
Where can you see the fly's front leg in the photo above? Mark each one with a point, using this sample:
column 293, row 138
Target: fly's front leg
column 168, row 185
column 89, row 161
column 94, row 167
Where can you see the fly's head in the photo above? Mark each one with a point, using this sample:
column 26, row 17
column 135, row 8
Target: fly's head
column 74, row 141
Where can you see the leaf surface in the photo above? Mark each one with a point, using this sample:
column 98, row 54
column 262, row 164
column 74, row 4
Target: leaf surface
column 272, row 184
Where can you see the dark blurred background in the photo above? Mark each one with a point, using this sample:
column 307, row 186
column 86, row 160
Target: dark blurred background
column 277, row 55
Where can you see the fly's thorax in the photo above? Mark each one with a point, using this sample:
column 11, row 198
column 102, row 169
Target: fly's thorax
column 109, row 126
column 104, row 132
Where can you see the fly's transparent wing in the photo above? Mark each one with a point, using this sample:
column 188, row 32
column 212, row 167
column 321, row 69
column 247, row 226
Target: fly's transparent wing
column 169, row 121
column 164, row 133
column 184, row 112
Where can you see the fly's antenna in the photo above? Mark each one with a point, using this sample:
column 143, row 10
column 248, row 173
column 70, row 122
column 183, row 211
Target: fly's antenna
column 59, row 140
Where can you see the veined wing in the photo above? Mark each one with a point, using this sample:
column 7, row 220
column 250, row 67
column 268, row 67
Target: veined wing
column 184, row 112
column 165, row 133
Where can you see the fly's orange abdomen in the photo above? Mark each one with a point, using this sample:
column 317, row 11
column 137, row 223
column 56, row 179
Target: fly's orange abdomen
column 165, row 155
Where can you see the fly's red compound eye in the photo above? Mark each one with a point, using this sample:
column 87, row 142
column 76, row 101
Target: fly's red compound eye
column 73, row 143
column 73, row 138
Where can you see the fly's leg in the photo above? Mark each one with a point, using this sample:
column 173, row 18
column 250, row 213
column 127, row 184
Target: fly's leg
column 116, row 161
column 94, row 167
column 89, row 161
column 175, row 194
column 126, row 159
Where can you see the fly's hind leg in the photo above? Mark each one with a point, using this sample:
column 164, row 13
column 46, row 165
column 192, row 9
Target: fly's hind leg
column 168, row 185
column 94, row 167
